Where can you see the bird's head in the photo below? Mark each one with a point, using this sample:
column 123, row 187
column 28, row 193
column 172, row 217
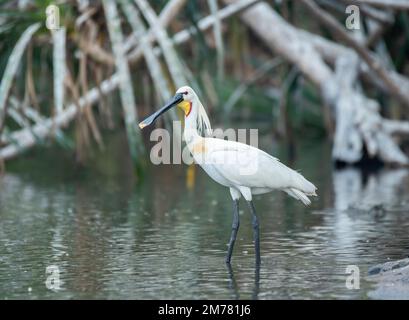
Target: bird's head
column 188, row 96
column 187, row 92
column 183, row 99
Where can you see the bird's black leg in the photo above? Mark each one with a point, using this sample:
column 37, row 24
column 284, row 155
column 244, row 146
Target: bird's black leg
column 232, row 282
column 256, row 282
column 234, row 228
column 256, row 231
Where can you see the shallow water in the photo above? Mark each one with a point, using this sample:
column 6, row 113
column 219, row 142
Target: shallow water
column 113, row 236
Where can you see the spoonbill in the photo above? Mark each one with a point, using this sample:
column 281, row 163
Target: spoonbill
column 244, row 169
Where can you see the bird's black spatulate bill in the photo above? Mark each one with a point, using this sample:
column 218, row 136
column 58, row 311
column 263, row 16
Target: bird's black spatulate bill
column 149, row 120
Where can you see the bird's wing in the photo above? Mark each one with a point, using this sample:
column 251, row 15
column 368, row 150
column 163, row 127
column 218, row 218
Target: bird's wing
column 228, row 145
column 251, row 167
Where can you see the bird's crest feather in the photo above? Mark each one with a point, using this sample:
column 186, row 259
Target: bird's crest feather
column 203, row 123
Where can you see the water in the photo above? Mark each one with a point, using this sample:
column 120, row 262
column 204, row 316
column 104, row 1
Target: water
column 114, row 236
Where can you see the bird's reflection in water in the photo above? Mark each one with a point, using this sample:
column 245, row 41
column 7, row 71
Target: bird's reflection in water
column 256, row 281
column 233, row 283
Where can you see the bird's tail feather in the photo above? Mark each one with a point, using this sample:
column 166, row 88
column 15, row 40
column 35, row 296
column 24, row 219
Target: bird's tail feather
column 297, row 194
column 303, row 185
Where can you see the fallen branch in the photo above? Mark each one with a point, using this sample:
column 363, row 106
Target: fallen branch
column 59, row 68
column 125, row 84
column 217, row 32
column 32, row 96
column 385, row 4
column 169, row 12
column 241, row 89
column 172, row 59
column 95, row 51
column 331, row 51
column 16, row 116
column 357, row 117
column 379, row 15
column 11, row 69
column 373, row 63
column 154, row 67
column 28, row 137
column 152, row 62
column 203, row 25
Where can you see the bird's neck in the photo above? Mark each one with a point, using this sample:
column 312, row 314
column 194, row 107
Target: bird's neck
column 190, row 130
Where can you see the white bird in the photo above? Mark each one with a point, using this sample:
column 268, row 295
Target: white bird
column 244, row 169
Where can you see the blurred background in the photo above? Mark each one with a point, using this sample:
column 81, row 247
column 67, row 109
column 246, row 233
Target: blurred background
column 326, row 84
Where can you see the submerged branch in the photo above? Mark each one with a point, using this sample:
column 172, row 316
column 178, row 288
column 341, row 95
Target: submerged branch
column 27, row 138
column 11, row 69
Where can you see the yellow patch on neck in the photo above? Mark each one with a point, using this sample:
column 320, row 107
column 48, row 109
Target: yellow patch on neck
column 185, row 106
column 199, row 147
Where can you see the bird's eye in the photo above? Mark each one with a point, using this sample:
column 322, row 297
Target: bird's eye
column 185, row 93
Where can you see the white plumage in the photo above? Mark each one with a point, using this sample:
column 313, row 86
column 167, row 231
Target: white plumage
column 244, row 169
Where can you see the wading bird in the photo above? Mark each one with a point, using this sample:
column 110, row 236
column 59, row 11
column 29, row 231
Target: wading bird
column 244, row 169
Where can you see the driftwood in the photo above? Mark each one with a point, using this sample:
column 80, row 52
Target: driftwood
column 217, row 31
column 19, row 141
column 185, row 35
column 11, row 69
column 241, row 89
column 175, row 67
column 171, row 9
column 385, row 4
column 58, row 37
column 358, row 122
column 125, row 84
column 152, row 61
column 374, row 64
column 28, row 137
column 337, row 71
